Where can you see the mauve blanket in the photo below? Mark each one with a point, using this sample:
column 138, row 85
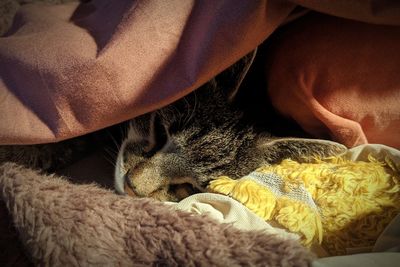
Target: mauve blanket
column 82, row 67
column 66, row 70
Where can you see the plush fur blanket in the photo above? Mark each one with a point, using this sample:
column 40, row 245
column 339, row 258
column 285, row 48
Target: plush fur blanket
column 80, row 75
column 64, row 224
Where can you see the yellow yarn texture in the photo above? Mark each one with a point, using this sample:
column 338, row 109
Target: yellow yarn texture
column 339, row 203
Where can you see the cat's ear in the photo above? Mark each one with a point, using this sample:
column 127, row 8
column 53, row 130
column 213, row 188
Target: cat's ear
column 232, row 78
column 148, row 130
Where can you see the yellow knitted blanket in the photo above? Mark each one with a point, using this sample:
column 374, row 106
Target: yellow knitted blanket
column 339, row 203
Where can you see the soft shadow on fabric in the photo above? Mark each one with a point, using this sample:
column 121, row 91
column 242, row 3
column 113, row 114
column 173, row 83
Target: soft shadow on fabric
column 101, row 18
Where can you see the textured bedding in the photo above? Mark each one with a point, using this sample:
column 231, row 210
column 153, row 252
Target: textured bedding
column 365, row 197
column 81, row 74
column 60, row 223
column 64, row 224
column 68, row 73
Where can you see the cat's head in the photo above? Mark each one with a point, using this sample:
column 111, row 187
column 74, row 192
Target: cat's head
column 177, row 150
column 150, row 162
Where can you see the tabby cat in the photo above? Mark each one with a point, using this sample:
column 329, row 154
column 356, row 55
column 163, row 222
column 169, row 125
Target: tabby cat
column 175, row 151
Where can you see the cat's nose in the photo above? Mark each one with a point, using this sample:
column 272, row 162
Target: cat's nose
column 144, row 180
column 128, row 185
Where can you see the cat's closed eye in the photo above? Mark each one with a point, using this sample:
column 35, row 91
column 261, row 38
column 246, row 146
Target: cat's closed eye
column 177, row 150
column 158, row 136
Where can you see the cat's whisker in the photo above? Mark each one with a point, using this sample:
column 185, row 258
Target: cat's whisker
column 191, row 111
column 124, row 130
column 110, row 152
column 187, row 113
column 114, row 141
column 109, row 161
column 110, row 156
column 177, row 113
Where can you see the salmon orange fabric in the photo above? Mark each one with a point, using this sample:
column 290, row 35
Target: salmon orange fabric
column 338, row 79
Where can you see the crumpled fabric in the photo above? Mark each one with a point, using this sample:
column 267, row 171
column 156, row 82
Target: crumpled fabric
column 70, row 69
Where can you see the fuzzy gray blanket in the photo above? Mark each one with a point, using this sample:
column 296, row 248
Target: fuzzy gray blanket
column 65, row 224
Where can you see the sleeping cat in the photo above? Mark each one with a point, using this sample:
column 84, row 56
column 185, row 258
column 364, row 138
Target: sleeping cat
column 175, row 151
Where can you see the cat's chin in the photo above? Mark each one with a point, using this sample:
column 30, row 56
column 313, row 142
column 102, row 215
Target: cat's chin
column 183, row 190
column 173, row 193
